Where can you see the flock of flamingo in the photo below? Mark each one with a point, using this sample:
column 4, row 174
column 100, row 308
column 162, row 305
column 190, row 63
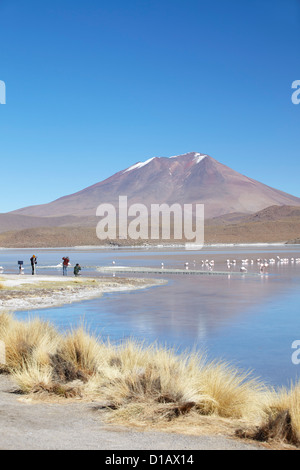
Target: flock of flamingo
column 262, row 263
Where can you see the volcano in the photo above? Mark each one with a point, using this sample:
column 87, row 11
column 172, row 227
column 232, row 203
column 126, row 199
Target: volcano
column 185, row 179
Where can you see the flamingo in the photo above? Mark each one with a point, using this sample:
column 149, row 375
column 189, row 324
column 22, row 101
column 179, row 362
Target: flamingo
column 262, row 268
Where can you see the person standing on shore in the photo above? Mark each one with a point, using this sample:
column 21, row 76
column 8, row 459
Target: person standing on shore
column 66, row 262
column 33, row 261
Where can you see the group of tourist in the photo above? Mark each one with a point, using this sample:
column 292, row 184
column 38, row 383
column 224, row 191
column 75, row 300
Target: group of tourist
column 65, row 265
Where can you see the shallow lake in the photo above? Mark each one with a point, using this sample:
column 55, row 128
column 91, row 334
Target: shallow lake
column 249, row 321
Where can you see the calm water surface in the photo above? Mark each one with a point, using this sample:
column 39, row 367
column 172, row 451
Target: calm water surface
column 248, row 321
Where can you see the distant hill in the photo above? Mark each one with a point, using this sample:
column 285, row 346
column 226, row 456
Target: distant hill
column 274, row 224
column 14, row 222
column 271, row 213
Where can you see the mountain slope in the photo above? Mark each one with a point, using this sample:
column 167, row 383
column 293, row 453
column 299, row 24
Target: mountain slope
column 269, row 214
column 12, row 221
column 185, row 179
column 274, row 224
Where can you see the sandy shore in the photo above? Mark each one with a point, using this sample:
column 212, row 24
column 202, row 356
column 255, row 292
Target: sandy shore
column 20, row 292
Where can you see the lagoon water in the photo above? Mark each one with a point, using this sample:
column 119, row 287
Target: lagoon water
column 248, row 321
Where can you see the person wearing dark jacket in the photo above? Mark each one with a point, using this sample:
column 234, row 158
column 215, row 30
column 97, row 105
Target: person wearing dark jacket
column 77, row 270
column 33, row 261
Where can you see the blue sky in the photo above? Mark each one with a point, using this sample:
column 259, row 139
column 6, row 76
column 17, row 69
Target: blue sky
column 95, row 86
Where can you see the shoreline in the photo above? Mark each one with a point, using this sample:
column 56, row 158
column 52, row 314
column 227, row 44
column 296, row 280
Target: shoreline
column 159, row 246
column 19, row 293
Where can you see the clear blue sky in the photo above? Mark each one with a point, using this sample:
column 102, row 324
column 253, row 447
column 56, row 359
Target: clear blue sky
column 94, row 86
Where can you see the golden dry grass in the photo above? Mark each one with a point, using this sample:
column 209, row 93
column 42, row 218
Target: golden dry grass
column 146, row 385
column 283, row 416
column 24, row 341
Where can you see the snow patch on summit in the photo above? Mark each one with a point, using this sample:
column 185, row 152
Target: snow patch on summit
column 138, row 165
column 198, row 158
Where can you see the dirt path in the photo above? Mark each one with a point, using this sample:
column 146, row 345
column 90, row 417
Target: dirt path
column 76, row 426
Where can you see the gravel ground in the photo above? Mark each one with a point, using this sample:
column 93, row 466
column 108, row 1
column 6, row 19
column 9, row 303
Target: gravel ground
column 76, row 426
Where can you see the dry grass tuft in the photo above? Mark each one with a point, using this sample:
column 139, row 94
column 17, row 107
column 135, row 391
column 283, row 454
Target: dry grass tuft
column 23, row 341
column 282, row 422
column 145, row 386
column 82, row 350
column 278, row 428
column 64, row 371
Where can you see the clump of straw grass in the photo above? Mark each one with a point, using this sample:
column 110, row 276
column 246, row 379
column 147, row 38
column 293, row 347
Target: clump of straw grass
column 141, row 384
